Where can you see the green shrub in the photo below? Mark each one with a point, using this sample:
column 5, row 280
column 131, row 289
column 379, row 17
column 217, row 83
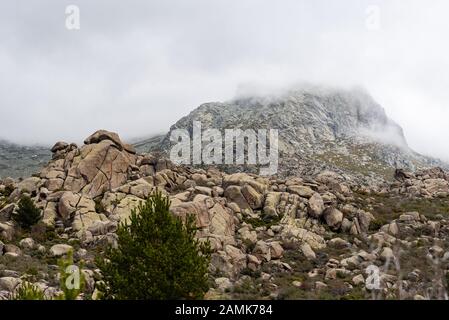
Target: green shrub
column 99, row 208
column 28, row 291
column 252, row 273
column 71, row 285
column 377, row 224
column 157, row 257
column 7, row 191
column 27, row 214
column 264, row 222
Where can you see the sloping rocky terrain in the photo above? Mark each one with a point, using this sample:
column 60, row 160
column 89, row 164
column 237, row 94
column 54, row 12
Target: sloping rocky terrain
column 21, row 161
column 319, row 128
column 315, row 236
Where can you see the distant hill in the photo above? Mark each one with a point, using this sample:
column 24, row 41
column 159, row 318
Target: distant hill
column 21, row 161
column 319, row 128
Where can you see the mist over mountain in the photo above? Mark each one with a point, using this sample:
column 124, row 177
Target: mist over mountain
column 319, row 127
column 172, row 57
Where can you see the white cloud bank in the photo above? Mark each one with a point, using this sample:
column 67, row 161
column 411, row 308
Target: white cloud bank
column 135, row 67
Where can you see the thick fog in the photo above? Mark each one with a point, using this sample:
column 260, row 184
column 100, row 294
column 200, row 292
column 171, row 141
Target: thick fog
column 135, row 67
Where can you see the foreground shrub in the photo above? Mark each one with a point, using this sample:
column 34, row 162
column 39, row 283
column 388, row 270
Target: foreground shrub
column 157, row 256
column 72, row 283
column 28, row 291
column 27, row 214
column 6, row 192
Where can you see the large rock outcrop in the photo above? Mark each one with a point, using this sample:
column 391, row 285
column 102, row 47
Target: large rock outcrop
column 323, row 231
column 99, row 167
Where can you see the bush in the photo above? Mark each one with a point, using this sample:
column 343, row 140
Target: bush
column 28, row 291
column 27, row 214
column 99, row 208
column 7, row 191
column 377, row 224
column 72, row 283
column 157, row 257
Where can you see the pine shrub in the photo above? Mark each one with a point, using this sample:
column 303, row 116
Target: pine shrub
column 28, row 291
column 27, row 214
column 157, row 256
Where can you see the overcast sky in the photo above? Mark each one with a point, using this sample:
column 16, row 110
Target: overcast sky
column 135, row 67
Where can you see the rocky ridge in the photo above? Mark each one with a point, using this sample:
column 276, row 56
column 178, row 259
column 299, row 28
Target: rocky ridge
column 277, row 237
column 319, row 128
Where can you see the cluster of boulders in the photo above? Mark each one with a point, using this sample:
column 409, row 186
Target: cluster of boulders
column 427, row 183
column 85, row 192
column 394, row 251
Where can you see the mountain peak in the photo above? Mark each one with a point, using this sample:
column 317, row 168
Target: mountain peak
column 319, row 128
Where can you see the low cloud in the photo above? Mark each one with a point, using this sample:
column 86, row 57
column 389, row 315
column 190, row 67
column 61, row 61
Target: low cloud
column 136, row 67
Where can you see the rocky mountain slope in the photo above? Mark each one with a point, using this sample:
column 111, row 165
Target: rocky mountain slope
column 319, row 128
column 323, row 236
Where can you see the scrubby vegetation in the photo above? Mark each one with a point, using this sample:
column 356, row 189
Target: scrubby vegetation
column 157, row 256
column 72, row 282
column 389, row 207
column 28, row 291
column 27, row 214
